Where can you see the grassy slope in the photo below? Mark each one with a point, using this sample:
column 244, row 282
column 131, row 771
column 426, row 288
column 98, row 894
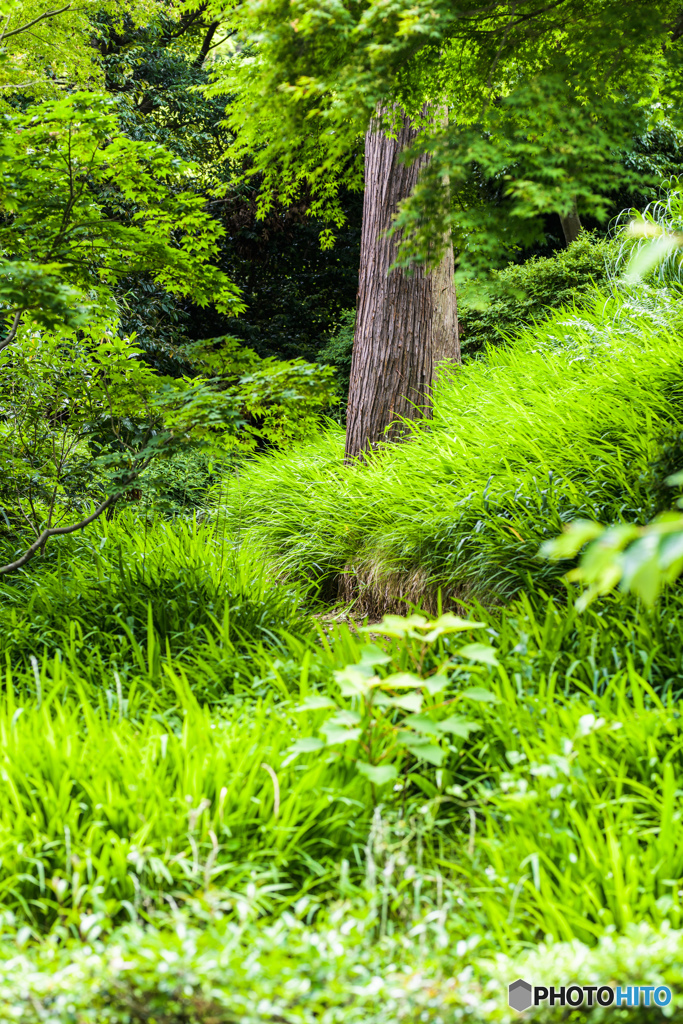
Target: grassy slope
column 137, row 748
column 582, row 416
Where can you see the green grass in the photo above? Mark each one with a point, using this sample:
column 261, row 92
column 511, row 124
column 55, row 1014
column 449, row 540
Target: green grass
column 101, row 815
column 581, row 417
column 154, row 815
column 119, row 798
column 134, row 595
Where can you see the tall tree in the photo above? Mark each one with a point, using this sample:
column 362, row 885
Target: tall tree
column 546, row 94
column 406, row 323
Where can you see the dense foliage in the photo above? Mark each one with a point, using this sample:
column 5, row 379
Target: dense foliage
column 522, row 293
column 284, row 739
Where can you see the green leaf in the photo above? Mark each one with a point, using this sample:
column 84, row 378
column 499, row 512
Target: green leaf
column 371, row 654
column 344, row 719
column 335, row 734
column 354, row 681
column 454, row 623
column 449, row 624
column 397, row 625
column 435, row 684
column 307, row 745
column 479, row 652
column 409, row 702
column 421, row 723
column 479, row 693
column 426, row 751
column 572, row 540
column 458, row 726
column 315, row 703
column 380, row 774
column 401, row 680
column 671, row 549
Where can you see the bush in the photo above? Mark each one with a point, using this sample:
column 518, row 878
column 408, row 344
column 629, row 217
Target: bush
column 339, row 348
column 526, row 292
column 335, row 972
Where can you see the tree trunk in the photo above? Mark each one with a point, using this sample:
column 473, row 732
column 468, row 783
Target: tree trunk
column 405, row 323
column 571, row 225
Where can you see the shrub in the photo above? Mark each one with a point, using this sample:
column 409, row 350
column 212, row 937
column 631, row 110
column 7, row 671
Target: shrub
column 338, row 350
column 528, row 291
column 333, row 972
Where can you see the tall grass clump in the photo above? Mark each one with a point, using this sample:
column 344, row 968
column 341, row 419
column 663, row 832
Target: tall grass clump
column 552, row 815
column 580, row 417
column 110, row 816
column 661, row 219
column 134, row 594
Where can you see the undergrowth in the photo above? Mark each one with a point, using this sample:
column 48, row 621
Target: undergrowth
column 222, row 800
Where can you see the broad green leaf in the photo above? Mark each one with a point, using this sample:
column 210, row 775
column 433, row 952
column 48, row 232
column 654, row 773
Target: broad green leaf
column 398, row 625
column 401, row 680
column 435, row 684
column 427, row 751
column 335, row 734
column 315, row 702
column 671, row 549
column 411, row 625
column 409, row 702
column 344, row 718
column 479, row 652
column 650, row 255
column 454, row 623
column 450, row 624
column 458, row 726
column 306, row 745
column 381, row 700
column 572, row 540
column 353, row 682
column 371, row 654
column 479, row 693
column 380, row 774
column 421, row 723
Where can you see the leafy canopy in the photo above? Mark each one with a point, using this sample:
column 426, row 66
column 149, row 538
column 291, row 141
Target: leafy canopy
column 540, row 97
column 84, row 206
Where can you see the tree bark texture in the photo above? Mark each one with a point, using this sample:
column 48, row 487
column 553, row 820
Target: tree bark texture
column 571, row 225
column 405, row 323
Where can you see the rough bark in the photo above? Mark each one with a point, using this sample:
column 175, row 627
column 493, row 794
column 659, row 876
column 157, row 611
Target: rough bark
column 406, row 323
column 571, row 225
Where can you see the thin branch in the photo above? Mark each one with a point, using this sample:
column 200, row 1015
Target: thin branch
column 230, row 34
column 29, row 24
column 56, row 531
column 27, row 518
column 12, row 331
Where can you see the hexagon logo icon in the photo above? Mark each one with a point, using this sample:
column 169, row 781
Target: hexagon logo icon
column 519, row 995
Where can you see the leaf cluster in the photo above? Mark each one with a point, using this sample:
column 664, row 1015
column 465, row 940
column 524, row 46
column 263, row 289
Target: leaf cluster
column 82, row 201
column 387, row 728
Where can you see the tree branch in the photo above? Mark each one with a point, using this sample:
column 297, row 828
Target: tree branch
column 54, row 532
column 12, row 331
column 30, row 24
column 206, row 45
